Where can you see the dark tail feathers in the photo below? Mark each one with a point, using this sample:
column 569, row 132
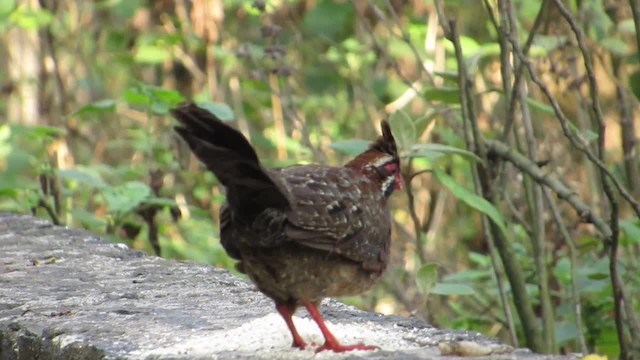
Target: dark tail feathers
column 228, row 154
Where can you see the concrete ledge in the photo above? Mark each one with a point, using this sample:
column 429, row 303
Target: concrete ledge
column 67, row 294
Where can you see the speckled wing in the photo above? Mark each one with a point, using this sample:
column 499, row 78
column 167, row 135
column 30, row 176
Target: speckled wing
column 338, row 210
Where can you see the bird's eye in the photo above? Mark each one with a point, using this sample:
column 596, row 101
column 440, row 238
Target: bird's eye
column 391, row 167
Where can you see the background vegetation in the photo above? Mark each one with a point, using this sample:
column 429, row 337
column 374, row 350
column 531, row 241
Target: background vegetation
column 518, row 122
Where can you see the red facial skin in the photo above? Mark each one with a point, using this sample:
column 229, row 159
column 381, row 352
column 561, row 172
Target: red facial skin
column 393, row 168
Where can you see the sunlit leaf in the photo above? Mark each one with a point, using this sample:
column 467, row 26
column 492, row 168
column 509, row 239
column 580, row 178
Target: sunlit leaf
column 452, row 289
column 540, row 106
column 446, row 149
column 220, row 110
column 43, row 131
column 124, row 198
column 627, row 26
column 151, row 54
column 81, row 175
column 30, row 18
column 94, row 107
column 550, row 42
column 8, row 191
column 6, row 7
column 165, row 202
column 447, row 95
column 425, row 154
column 403, row 129
column 134, row 96
column 350, row 147
column 614, row 44
column 466, row 276
column 165, row 95
column 471, row 199
column 631, row 229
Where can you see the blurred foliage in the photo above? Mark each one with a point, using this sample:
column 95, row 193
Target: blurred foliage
column 86, row 139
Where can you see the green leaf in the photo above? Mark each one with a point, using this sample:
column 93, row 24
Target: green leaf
column 562, row 270
column 165, row 202
column 8, row 192
column 88, row 219
column 151, row 54
column 328, row 19
column 94, row 107
column 452, row 289
column 350, row 147
column 426, row 278
column 542, row 107
column 627, row 26
column 6, row 7
column 168, row 96
column 614, row 44
column 422, row 123
column 31, row 19
column 448, row 95
column 81, row 175
column 450, row 76
column 631, row 229
column 566, row 331
column 479, row 259
column 135, row 96
column 471, row 199
column 466, row 276
column 222, row 111
column 403, row 129
column 446, row 149
column 550, row 42
column 634, row 83
column 598, row 276
column 424, row 154
column 43, row 131
column 124, row 198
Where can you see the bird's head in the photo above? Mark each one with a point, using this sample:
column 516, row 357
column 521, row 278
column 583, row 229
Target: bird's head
column 380, row 162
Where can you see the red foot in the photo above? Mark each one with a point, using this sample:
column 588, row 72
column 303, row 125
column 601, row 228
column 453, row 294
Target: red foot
column 330, row 342
column 304, row 345
column 342, row 348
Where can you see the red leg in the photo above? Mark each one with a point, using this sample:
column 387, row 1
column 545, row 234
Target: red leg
column 287, row 311
column 330, row 342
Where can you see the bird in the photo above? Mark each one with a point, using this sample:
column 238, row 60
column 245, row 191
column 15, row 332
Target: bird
column 304, row 232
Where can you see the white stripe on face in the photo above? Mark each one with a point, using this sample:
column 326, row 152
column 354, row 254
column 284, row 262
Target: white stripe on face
column 388, row 182
column 381, row 161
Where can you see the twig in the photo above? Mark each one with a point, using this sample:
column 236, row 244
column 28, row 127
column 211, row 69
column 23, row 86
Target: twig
column 573, row 258
column 481, row 181
column 613, row 202
column 530, row 168
column 578, row 143
column 417, row 226
column 52, row 214
column 534, row 191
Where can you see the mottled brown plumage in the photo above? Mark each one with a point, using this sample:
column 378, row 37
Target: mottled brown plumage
column 304, row 232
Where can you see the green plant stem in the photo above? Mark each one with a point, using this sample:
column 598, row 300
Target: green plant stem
column 50, row 211
column 573, row 259
column 475, row 143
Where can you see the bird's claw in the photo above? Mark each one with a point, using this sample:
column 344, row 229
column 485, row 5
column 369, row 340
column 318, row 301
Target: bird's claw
column 336, row 347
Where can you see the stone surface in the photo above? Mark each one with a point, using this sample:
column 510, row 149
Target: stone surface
column 67, row 294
